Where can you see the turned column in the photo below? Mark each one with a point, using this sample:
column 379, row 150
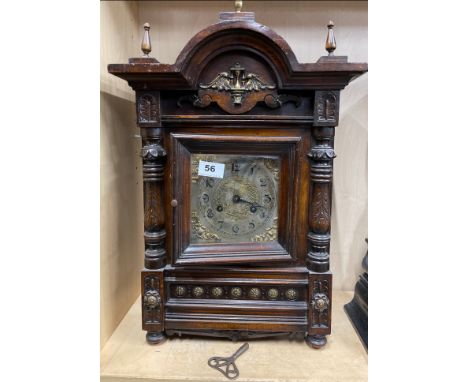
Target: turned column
column 321, row 155
column 154, row 156
column 321, row 175
column 148, row 109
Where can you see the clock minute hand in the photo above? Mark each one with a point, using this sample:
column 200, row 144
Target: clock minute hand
column 244, row 201
column 238, row 199
column 256, row 204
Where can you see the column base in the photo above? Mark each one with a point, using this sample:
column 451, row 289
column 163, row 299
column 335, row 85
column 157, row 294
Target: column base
column 155, row 338
column 316, row 341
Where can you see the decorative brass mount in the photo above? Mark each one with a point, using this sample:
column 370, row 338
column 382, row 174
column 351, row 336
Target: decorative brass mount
column 238, row 92
column 152, row 299
column 237, row 83
column 320, row 302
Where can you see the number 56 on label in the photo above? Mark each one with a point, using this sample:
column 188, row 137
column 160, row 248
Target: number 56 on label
column 214, row 170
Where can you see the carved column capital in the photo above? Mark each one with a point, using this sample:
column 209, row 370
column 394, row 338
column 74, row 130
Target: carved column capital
column 322, row 153
column 153, row 152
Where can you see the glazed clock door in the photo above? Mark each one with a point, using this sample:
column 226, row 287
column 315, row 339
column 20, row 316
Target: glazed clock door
column 235, row 197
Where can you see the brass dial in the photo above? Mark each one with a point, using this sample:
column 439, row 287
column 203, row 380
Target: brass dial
column 240, row 206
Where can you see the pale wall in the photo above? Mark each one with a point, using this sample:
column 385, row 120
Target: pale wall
column 303, row 25
column 121, row 180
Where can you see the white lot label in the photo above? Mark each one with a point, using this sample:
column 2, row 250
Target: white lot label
column 215, row 170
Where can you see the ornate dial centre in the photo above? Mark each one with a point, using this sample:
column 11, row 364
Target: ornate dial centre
column 239, row 206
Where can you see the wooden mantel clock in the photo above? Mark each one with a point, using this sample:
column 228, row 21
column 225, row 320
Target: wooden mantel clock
column 237, row 148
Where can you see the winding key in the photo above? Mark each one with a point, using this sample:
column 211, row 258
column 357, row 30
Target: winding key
column 231, row 372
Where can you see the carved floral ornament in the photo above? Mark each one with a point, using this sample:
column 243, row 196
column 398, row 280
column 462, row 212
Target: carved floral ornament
column 151, row 152
column 326, row 108
column 322, row 153
column 152, row 299
column 147, row 109
column 321, row 208
column 320, row 302
column 237, row 92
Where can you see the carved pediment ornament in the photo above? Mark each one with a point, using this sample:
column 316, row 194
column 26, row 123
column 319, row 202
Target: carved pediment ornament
column 237, row 92
column 237, row 83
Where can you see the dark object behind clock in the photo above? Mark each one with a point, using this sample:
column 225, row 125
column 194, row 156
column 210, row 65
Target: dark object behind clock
column 357, row 308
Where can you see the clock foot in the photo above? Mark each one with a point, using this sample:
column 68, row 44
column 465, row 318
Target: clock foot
column 155, row 338
column 316, row 341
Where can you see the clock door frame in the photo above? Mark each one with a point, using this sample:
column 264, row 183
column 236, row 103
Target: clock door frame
column 289, row 146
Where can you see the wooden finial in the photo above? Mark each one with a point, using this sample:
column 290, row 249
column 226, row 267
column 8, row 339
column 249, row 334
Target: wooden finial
column 146, row 42
column 330, row 45
column 238, row 5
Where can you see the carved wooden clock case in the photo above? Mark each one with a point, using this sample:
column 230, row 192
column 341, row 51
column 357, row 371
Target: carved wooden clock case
column 237, row 148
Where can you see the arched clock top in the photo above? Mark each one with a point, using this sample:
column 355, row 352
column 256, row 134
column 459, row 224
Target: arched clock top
column 238, row 32
column 227, row 37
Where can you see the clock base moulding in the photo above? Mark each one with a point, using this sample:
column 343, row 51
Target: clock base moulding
column 237, row 303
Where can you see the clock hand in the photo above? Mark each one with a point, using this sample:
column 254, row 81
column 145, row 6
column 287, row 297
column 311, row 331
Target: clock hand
column 245, row 201
column 238, row 199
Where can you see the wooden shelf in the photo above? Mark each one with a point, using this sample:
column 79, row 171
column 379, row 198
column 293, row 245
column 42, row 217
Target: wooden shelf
column 127, row 357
